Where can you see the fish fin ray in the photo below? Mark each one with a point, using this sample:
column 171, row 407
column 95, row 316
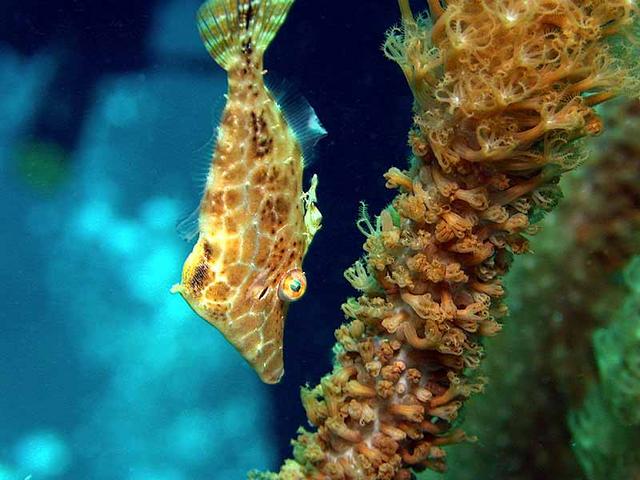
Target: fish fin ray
column 228, row 26
column 300, row 116
column 188, row 227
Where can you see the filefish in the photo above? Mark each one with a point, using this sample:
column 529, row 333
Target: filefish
column 255, row 223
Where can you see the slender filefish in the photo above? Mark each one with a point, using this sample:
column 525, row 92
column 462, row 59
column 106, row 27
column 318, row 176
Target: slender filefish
column 255, row 223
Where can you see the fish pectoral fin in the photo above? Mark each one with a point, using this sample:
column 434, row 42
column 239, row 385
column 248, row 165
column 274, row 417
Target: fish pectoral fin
column 312, row 215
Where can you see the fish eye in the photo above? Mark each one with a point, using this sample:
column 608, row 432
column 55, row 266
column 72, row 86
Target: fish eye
column 292, row 286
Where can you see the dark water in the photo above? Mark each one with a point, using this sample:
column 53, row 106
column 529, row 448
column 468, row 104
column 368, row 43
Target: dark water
column 107, row 115
column 108, row 111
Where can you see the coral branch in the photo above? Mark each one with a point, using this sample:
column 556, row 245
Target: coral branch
column 501, row 93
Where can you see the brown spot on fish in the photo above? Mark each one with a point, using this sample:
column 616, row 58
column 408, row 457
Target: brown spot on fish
column 264, row 250
column 236, row 274
column 199, row 279
column 274, row 329
column 224, row 153
column 240, row 310
column 262, row 142
column 213, row 251
column 235, row 173
column 231, row 224
column 247, row 50
column 217, row 311
column 257, row 123
column 259, row 175
column 281, row 205
column 232, row 198
column 229, row 118
column 207, row 249
column 232, row 250
column 268, row 221
column 263, row 146
column 213, row 203
column 262, row 151
column 218, row 290
column 243, row 216
column 249, row 243
column 274, row 175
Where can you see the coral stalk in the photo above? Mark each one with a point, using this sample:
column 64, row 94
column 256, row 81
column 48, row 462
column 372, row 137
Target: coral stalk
column 575, row 269
column 502, row 92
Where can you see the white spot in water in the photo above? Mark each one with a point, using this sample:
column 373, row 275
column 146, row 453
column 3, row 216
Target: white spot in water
column 43, row 453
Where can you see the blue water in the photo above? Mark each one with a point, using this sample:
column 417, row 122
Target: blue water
column 103, row 373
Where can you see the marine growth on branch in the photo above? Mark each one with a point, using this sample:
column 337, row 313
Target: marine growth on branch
column 504, row 92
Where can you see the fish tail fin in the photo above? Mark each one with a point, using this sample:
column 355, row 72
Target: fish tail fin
column 233, row 28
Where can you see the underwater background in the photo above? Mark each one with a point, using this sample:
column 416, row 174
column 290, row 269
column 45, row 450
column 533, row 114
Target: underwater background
column 108, row 112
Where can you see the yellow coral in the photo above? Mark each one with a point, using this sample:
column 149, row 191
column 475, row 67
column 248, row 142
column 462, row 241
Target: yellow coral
column 502, row 89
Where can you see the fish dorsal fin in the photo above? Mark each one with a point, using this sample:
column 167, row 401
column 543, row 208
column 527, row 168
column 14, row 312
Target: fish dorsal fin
column 230, row 28
column 300, row 116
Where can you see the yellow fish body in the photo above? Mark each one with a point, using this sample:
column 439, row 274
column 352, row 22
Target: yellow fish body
column 255, row 222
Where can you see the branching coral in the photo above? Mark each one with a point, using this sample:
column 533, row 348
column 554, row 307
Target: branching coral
column 503, row 89
column 576, row 264
column 603, row 221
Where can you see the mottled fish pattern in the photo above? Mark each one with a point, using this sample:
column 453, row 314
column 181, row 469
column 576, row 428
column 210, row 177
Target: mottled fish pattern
column 255, row 221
